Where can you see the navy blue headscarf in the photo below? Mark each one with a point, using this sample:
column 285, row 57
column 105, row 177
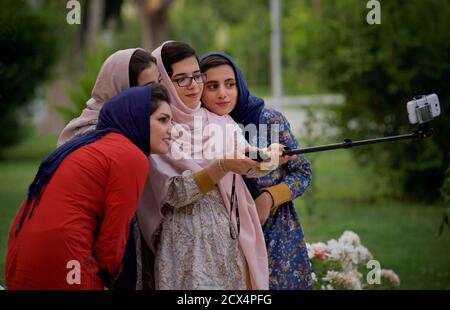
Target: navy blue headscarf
column 248, row 107
column 127, row 113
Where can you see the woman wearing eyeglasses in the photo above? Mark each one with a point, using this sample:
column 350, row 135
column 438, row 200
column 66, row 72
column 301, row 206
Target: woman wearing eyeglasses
column 199, row 245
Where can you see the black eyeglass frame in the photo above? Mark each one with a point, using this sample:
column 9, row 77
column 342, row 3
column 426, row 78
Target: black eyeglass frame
column 194, row 77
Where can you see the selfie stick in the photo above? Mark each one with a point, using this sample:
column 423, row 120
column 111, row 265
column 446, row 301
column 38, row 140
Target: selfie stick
column 423, row 132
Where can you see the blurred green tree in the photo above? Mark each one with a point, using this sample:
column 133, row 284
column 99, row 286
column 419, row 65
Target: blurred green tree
column 80, row 91
column 30, row 36
column 222, row 26
column 379, row 68
column 299, row 72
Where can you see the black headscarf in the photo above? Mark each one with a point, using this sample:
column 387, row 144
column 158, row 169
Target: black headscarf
column 127, row 113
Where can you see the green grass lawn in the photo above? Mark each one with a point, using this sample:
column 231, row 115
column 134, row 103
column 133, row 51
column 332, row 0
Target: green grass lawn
column 17, row 170
column 402, row 236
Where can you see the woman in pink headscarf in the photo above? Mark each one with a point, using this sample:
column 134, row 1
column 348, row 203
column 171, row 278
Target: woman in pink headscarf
column 122, row 70
column 208, row 240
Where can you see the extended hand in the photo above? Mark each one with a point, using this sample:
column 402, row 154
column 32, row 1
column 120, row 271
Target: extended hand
column 263, row 204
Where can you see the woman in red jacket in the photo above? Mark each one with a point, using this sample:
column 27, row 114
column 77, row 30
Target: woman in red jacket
column 71, row 230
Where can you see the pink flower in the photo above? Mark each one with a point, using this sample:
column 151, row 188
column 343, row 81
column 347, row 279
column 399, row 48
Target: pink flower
column 319, row 254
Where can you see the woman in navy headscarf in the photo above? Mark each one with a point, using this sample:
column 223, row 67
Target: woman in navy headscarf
column 71, row 230
column 226, row 92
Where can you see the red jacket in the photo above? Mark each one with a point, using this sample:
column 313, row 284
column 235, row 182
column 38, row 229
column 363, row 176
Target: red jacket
column 82, row 222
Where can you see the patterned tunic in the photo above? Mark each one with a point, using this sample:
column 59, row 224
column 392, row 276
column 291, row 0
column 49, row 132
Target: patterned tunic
column 195, row 250
column 289, row 265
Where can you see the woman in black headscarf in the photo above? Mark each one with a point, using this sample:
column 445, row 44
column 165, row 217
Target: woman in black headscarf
column 71, row 230
column 226, row 92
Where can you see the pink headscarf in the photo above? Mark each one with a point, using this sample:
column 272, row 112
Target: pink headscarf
column 164, row 167
column 112, row 79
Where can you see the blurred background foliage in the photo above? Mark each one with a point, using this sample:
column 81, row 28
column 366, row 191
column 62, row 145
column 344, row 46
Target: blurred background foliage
column 81, row 90
column 32, row 41
column 378, row 69
column 327, row 46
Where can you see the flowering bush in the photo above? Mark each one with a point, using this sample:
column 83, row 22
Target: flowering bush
column 342, row 264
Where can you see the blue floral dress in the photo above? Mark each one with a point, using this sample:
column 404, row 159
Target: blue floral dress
column 289, row 264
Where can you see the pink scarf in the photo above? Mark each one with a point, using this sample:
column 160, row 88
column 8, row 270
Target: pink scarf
column 111, row 80
column 164, row 167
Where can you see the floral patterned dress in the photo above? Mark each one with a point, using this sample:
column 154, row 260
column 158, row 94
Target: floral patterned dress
column 289, row 265
column 195, row 250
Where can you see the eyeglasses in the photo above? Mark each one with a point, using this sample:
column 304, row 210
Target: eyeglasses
column 186, row 81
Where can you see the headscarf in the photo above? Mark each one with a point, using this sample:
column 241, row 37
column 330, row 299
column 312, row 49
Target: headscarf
column 112, row 79
column 127, row 113
column 165, row 167
column 248, row 108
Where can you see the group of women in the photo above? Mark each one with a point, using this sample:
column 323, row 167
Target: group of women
column 128, row 199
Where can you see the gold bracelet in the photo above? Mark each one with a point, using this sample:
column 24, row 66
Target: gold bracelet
column 222, row 166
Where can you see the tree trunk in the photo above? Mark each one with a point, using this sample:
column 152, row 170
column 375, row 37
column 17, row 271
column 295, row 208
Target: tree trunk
column 95, row 18
column 275, row 49
column 317, row 6
column 153, row 16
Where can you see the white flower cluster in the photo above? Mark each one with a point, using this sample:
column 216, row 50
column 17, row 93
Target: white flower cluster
column 349, row 280
column 391, row 276
column 349, row 253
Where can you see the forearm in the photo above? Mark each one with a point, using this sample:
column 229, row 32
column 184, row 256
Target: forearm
column 189, row 187
column 207, row 178
column 279, row 193
column 183, row 191
column 298, row 176
column 217, row 170
column 264, row 204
